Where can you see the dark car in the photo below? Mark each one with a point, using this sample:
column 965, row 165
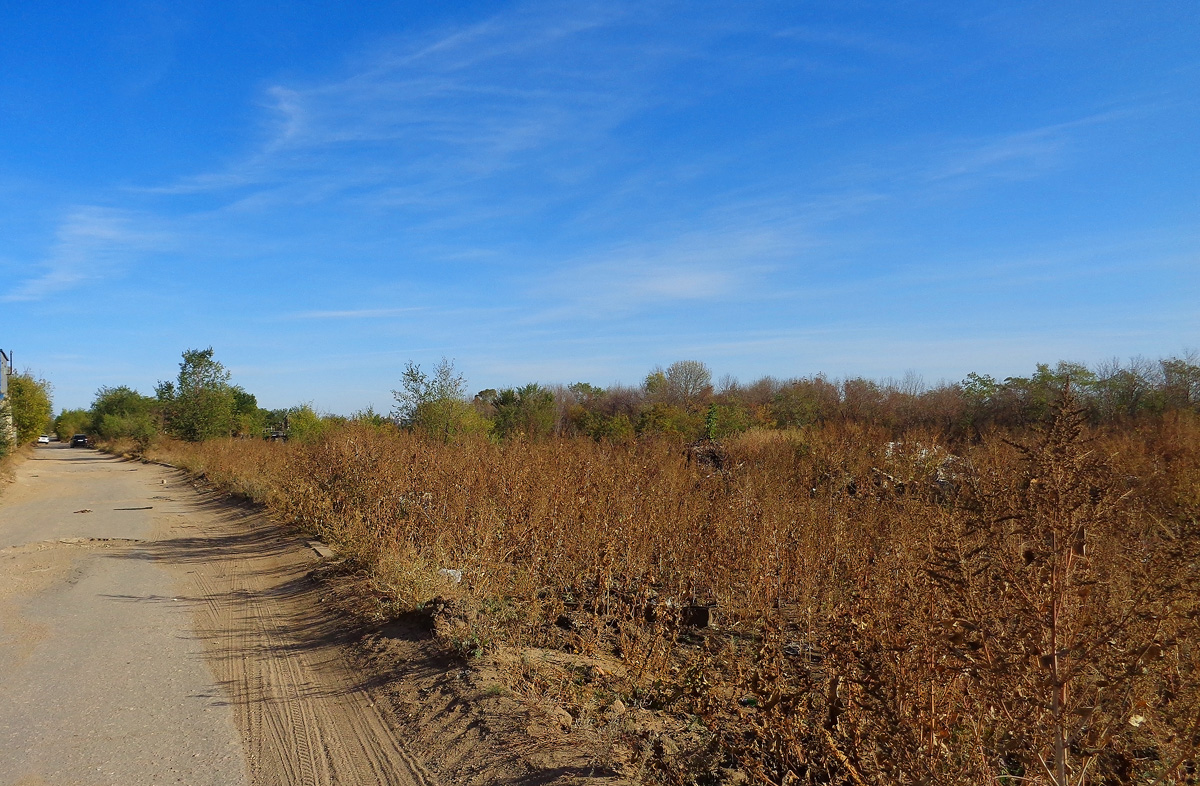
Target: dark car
column 79, row 441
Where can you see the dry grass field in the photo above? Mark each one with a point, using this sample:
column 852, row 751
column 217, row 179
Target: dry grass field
column 833, row 604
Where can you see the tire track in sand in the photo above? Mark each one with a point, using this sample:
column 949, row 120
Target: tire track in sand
column 304, row 716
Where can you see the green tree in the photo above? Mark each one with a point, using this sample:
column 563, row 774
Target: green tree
column 981, row 395
column 72, row 421
column 122, row 412
column 1124, row 392
column 1036, row 395
column 804, row 402
column 979, row 389
column 585, row 391
column 274, row 422
column 437, row 405
column 529, row 411
column 369, row 417
column 29, row 400
column 304, row 424
column 671, row 421
column 200, row 404
column 119, row 401
column 655, row 384
column 248, row 419
column 616, row 428
column 1181, row 382
column 725, row 420
column 6, row 435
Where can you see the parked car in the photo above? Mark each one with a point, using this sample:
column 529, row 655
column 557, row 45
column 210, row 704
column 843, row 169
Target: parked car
column 79, row 441
column 44, row 439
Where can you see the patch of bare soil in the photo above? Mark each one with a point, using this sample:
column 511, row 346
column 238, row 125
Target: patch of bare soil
column 460, row 714
column 8, row 466
column 305, row 714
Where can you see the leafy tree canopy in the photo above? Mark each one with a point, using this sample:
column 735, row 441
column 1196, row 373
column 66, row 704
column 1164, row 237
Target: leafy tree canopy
column 529, row 411
column 437, row 404
column 122, row 412
column 72, row 421
column 304, row 424
column 29, row 403
column 201, row 403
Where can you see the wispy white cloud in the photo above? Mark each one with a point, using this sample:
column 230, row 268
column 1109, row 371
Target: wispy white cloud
column 937, row 167
column 91, row 244
column 1020, row 154
column 524, row 113
column 463, row 106
column 729, row 261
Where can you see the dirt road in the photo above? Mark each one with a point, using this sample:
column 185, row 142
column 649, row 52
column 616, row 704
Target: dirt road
column 152, row 635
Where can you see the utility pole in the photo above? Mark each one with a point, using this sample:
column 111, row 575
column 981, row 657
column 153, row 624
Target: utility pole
column 7, row 432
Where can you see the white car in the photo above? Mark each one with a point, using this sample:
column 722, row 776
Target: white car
column 43, row 440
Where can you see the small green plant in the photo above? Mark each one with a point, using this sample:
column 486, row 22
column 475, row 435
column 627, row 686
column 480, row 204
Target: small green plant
column 471, row 646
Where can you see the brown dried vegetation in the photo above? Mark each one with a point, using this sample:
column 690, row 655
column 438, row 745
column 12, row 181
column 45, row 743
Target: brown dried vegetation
column 828, row 604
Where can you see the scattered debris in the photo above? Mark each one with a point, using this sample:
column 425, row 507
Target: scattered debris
column 322, row 549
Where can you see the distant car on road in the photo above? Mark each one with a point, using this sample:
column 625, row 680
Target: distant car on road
column 44, row 439
column 79, row 441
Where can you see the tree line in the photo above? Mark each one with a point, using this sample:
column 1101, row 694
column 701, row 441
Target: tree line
column 200, row 403
column 681, row 401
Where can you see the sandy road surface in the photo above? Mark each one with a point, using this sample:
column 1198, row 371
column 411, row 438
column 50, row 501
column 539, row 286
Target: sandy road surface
column 165, row 637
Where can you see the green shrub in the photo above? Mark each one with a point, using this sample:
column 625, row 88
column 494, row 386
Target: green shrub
column 72, row 421
column 29, row 399
column 671, row 421
column 304, row 424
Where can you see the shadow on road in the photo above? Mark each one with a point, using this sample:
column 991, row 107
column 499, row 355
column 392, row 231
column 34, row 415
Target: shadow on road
column 255, row 595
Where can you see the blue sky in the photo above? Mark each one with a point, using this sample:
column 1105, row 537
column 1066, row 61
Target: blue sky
column 568, row 191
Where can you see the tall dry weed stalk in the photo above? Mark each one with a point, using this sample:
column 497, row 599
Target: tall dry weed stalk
column 879, row 613
column 1062, row 600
